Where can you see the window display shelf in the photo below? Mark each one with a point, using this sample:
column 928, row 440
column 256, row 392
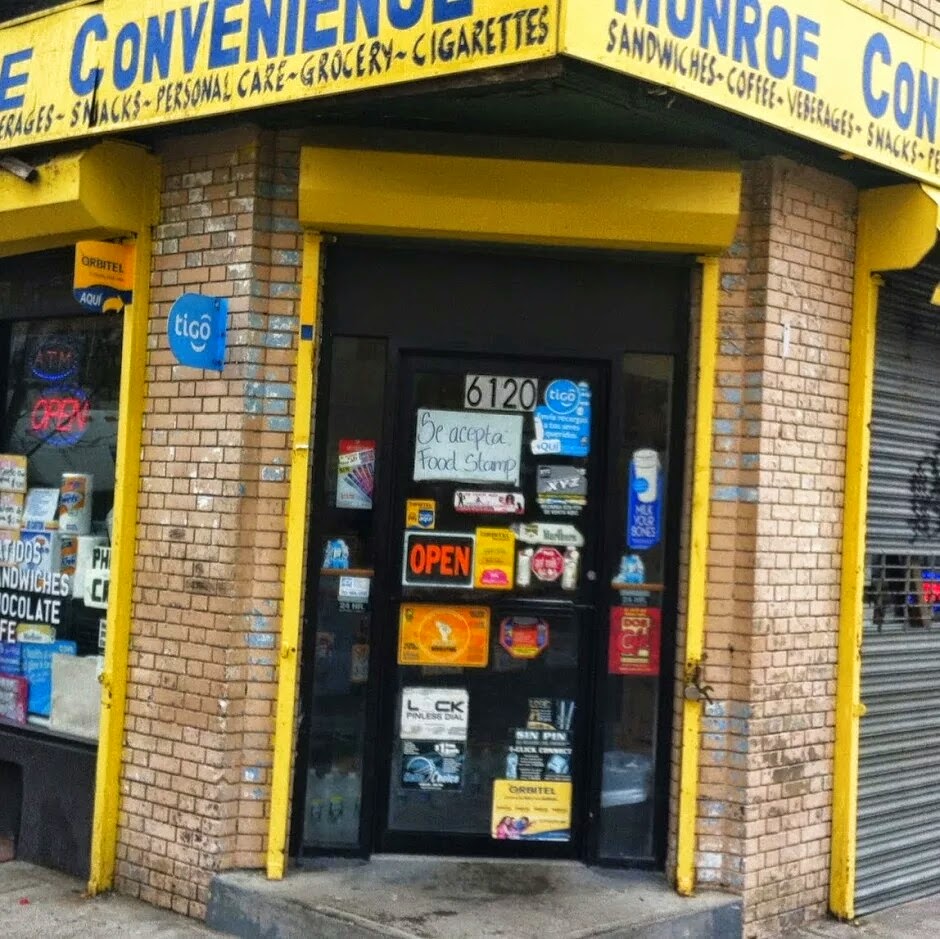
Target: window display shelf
column 636, row 588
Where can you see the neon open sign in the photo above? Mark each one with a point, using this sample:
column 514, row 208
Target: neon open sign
column 60, row 416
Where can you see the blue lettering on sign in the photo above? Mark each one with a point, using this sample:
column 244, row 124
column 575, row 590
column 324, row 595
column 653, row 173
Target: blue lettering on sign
column 877, row 47
column 238, row 31
column 219, row 55
column 196, row 328
column 10, row 80
column 909, row 93
column 807, row 47
column 264, row 23
column 716, row 17
column 316, row 36
column 192, row 33
column 762, row 36
column 370, row 16
column 85, row 83
column 158, row 46
column 126, row 56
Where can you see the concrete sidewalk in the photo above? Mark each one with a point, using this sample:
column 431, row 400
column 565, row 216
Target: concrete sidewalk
column 917, row 920
column 36, row 903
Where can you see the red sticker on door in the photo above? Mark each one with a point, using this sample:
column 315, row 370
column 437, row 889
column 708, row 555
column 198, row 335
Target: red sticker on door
column 548, row 564
column 634, row 640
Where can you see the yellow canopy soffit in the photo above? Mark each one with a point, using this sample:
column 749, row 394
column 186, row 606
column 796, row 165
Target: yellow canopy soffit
column 664, row 202
column 898, row 225
column 102, row 192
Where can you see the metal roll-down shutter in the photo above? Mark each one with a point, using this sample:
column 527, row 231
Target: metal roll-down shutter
column 898, row 856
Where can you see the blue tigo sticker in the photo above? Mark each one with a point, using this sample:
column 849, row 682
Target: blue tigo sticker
column 644, row 501
column 563, row 422
column 196, row 328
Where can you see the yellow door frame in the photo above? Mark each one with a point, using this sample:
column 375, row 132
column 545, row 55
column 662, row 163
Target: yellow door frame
column 897, row 227
column 683, row 202
column 108, row 191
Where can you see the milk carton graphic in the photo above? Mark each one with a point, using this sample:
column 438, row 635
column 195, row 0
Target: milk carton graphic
column 644, row 500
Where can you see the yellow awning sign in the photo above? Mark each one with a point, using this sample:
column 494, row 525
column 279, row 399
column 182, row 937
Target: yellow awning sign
column 828, row 71
column 122, row 64
column 104, row 276
column 832, row 72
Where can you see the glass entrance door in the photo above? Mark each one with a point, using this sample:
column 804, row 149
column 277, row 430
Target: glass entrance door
column 494, row 543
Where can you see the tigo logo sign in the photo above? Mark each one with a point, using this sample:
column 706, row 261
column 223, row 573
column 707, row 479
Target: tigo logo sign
column 196, row 330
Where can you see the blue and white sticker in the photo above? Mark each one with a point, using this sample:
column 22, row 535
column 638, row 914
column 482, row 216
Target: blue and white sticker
column 196, row 328
column 644, row 501
column 563, row 421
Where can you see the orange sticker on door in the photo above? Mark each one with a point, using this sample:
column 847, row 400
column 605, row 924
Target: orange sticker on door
column 443, row 635
column 494, row 560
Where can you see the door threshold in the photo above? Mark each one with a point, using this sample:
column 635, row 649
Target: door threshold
column 413, row 896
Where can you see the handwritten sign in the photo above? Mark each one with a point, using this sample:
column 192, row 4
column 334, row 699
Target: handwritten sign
column 468, row 447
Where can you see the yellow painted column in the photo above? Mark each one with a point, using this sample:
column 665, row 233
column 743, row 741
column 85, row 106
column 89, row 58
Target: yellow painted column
column 123, row 545
column 848, row 687
column 292, row 610
column 698, row 566
column 897, row 227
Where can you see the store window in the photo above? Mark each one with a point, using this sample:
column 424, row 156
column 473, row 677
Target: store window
column 631, row 691
column 59, row 390
column 344, row 558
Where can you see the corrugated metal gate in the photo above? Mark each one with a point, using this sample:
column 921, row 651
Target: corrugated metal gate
column 899, row 787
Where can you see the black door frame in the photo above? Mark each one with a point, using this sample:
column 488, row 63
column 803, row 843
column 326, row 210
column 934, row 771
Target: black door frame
column 397, row 346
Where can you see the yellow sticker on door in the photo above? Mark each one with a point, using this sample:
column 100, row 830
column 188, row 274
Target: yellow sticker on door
column 494, row 559
column 420, row 513
column 531, row 811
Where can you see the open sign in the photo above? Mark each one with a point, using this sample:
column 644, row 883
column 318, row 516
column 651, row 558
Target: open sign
column 438, row 559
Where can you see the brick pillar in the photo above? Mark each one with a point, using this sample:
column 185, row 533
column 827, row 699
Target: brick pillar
column 778, row 471
column 210, row 554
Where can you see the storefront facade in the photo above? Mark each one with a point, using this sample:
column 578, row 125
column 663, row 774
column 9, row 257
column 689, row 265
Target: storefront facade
column 521, row 515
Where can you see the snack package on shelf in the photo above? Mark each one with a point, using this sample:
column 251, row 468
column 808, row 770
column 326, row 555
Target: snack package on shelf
column 11, row 509
column 41, row 508
column 12, row 473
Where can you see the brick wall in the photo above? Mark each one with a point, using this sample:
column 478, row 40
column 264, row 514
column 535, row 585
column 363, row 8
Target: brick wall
column 774, row 561
column 210, row 560
column 920, row 15
column 209, row 567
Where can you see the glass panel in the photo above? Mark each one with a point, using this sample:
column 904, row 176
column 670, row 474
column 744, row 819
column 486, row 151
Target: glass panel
column 499, row 475
column 631, row 689
column 58, row 433
column 520, row 727
column 346, row 549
